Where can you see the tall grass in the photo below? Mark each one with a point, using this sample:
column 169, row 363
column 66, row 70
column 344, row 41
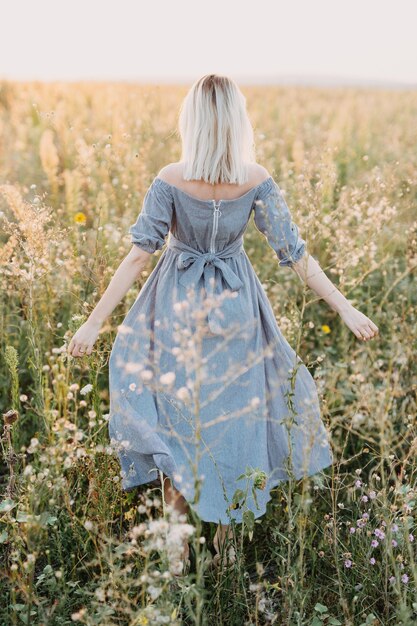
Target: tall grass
column 337, row 548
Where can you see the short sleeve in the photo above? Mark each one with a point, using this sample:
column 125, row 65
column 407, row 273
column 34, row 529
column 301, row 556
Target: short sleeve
column 153, row 222
column 273, row 218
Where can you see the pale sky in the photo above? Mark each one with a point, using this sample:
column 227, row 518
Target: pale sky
column 179, row 40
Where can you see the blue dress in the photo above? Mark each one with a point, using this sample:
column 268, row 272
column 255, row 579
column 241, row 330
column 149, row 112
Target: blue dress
column 202, row 381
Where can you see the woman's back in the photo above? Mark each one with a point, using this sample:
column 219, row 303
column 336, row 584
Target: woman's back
column 173, row 174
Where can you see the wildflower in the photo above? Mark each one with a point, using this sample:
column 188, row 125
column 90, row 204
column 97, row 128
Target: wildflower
column 411, row 537
column 34, row 442
column 78, row 616
column 358, row 483
column 348, row 563
column 374, row 543
column 326, row 329
column 379, row 533
column 394, row 528
column 404, row 578
column 391, row 579
column 23, row 398
column 183, row 393
column 372, row 495
column 132, row 368
column 260, row 480
column 80, row 218
column 394, row 543
column 86, row 389
column 10, row 417
column 168, row 378
column 372, row 561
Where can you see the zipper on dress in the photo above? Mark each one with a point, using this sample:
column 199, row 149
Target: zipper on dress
column 216, row 214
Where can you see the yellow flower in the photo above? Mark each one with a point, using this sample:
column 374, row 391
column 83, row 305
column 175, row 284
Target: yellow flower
column 80, row 218
column 326, row 329
column 129, row 514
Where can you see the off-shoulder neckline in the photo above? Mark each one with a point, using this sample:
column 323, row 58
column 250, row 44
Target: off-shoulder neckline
column 159, row 180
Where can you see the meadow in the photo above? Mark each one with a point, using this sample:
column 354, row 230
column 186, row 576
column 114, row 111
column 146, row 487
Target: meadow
column 336, row 548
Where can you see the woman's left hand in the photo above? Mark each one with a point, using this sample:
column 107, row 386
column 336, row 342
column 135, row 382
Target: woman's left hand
column 359, row 324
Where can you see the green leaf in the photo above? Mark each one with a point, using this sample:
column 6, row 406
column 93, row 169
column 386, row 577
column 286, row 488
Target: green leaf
column 46, row 519
column 320, row 608
column 249, row 519
column 7, row 505
column 22, row 516
column 122, row 548
column 238, row 495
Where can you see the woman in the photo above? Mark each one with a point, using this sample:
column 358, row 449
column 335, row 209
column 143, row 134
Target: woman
column 200, row 373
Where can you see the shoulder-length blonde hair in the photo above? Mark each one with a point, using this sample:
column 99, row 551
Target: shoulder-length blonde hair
column 216, row 133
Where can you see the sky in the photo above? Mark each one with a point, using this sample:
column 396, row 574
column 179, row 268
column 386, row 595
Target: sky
column 166, row 41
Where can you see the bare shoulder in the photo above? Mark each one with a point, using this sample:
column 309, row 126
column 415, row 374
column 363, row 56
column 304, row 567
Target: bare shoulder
column 258, row 173
column 170, row 173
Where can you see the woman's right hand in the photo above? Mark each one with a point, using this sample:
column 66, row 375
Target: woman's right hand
column 83, row 340
column 359, row 323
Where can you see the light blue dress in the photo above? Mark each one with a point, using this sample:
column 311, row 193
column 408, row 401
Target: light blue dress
column 202, row 381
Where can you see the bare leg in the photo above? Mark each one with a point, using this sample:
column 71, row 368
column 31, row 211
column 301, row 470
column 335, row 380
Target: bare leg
column 223, row 532
column 224, row 547
column 174, row 498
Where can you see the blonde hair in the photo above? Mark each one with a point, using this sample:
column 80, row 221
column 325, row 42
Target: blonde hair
column 216, row 133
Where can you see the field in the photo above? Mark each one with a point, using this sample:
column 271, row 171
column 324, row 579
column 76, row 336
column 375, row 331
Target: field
column 339, row 548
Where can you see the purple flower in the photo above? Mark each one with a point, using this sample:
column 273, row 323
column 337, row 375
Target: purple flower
column 364, row 498
column 365, row 515
column 379, row 533
column 372, row 495
column 372, row 561
column 394, row 543
column 411, row 537
column 391, row 579
column 352, row 530
column 374, row 543
column 358, row 483
column 394, row 528
column 348, row 563
column 404, row 578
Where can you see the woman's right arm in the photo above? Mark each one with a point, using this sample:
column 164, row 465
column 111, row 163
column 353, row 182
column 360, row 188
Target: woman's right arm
column 126, row 274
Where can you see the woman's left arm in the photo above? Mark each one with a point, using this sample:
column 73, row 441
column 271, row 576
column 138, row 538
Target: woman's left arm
column 313, row 275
